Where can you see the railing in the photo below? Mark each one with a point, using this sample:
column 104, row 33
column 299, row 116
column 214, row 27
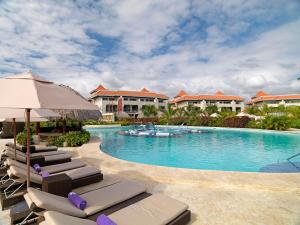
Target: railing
column 293, row 156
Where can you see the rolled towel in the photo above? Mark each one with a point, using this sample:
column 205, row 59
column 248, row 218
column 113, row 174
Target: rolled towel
column 37, row 167
column 104, row 220
column 45, row 174
column 76, row 200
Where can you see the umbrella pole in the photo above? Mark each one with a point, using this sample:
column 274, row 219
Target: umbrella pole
column 28, row 146
column 15, row 134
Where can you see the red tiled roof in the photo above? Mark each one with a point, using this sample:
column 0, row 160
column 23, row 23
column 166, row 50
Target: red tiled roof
column 217, row 97
column 273, row 98
column 145, row 94
column 99, row 88
column 181, row 93
column 144, row 90
column 219, row 93
column 260, row 94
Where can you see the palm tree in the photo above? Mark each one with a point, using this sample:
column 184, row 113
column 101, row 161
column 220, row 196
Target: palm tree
column 168, row 113
column 149, row 110
column 211, row 109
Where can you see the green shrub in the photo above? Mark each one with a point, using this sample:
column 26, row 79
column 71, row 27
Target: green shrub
column 22, row 138
column 276, row 123
column 77, row 138
column 73, row 139
column 56, row 141
column 255, row 124
column 295, row 123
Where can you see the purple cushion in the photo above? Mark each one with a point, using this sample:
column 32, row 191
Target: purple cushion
column 37, row 167
column 45, row 174
column 76, row 200
column 104, row 220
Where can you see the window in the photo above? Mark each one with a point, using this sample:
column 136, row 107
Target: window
column 111, row 108
column 126, row 108
column 135, row 108
column 132, row 99
column 160, row 100
column 125, row 99
column 149, row 99
column 104, row 99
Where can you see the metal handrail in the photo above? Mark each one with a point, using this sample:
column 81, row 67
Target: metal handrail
column 294, row 156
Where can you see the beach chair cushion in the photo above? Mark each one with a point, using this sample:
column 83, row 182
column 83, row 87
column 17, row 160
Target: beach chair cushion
column 80, row 172
column 157, row 209
column 49, row 158
column 103, row 198
column 22, row 173
column 75, row 163
column 56, row 218
column 53, row 202
column 11, row 162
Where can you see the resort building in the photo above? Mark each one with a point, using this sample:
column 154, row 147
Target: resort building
column 126, row 103
column 261, row 98
column 223, row 102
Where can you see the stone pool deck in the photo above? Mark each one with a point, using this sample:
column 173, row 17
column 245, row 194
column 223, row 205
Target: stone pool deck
column 214, row 197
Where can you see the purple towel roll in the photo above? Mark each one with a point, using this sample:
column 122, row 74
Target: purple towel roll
column 45, row 174
column 76, row 200
column 104, row 220
column 37, row 167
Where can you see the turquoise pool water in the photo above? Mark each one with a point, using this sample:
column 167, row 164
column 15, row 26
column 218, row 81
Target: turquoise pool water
column 229, row 150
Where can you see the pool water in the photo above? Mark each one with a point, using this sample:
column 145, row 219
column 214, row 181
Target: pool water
column 220, row 149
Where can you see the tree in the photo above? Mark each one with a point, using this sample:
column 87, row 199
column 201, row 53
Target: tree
column 149, row 110
column 168, row 113
column 211, row 109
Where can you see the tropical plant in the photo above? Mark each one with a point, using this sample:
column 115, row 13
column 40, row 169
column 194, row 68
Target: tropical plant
column 168, row 114
column 293, row 111
column 211, row 109
column 276, row 123
column 72, row 139
column 21, row 138
column 149, row 110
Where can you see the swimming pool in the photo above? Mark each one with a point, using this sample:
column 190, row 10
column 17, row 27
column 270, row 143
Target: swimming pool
column 219, row 149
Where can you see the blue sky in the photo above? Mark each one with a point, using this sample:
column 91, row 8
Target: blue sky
column 200, row 46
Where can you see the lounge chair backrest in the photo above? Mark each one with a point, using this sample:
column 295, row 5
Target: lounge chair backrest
column 37, row 153
column 11, row 162
column 53, row 202
column 21, row 173
column 108, row 196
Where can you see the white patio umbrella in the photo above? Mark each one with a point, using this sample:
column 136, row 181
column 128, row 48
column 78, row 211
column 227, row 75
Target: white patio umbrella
column 28, row 91
column 241, row 114
column 214, row 115
column 18, row 115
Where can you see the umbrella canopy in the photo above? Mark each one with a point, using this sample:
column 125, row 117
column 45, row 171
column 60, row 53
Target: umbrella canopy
column 37, row 115
column 28, row 91
column 214, row 115
column 241, row 114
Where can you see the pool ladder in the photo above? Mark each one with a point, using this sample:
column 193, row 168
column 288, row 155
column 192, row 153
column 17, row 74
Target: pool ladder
column 294, row 156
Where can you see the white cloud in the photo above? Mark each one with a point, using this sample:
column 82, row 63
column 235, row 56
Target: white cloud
column 53, row 40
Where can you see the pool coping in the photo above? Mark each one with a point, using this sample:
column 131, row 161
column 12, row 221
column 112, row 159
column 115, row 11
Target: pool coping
column 92, row 154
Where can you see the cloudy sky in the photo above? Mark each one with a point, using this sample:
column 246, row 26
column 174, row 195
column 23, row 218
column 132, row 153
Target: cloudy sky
column 201, row 46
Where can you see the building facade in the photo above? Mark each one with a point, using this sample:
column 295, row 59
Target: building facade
column 126, row 103
column 223, row 102
column 261, row 98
